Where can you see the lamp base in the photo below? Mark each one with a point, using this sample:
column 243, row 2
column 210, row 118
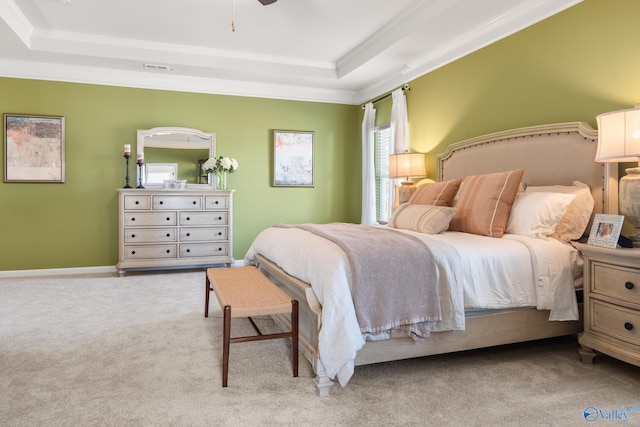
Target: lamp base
column 630, row 202
column 405, row 191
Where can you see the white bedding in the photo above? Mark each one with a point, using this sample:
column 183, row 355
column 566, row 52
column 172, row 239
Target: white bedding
column 514, row 271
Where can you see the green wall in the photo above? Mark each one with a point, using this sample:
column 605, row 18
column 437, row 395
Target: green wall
column 570, row 67
column 75, row 224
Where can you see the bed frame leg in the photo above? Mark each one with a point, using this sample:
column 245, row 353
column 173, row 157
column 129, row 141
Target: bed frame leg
column 322, row 381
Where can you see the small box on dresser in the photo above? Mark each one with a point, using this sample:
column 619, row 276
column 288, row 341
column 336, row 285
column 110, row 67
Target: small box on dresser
column 164, row 228
column 611, row 303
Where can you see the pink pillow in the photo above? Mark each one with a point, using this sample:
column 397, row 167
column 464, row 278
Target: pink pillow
column 484, row 203
column 437, row 193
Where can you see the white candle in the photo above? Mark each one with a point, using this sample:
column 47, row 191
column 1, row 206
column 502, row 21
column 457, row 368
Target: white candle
column 140, row 157
column 127, row 149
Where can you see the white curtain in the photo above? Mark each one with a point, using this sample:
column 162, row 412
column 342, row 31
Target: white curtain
column 368, row 166
column 399, row 127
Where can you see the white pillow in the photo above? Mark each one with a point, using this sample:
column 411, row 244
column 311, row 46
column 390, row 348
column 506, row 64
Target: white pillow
column 427, row 219
column 537, row 214
column 576, row 220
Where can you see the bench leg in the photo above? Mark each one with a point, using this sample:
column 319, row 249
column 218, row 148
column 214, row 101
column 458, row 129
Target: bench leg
column 207, row 289
column 294, row 335
column 226, row 340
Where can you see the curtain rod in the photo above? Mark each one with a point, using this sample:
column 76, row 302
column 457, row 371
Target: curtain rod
column 404, row 87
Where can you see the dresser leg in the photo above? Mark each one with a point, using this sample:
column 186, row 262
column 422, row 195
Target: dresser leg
column 586, row 354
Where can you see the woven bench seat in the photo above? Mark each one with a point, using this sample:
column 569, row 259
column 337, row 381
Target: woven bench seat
column 245, row 292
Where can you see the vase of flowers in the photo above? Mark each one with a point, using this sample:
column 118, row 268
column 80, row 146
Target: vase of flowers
column 220, row 167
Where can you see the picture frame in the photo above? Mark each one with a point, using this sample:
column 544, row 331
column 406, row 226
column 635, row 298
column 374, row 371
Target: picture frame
column 605, row 230
column 293, row 158
column 34, row 148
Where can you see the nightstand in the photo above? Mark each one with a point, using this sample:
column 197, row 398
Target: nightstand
column 611, row 303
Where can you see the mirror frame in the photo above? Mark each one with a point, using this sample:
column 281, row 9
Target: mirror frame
column 147, row 133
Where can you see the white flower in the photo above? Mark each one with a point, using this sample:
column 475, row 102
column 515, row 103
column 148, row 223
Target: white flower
column 209, row 166
column 234, row 164
column 225, row 163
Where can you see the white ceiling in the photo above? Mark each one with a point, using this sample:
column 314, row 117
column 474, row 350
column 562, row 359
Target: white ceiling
column 342, row 51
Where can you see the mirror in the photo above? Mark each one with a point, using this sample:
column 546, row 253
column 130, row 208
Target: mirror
column 174, row 153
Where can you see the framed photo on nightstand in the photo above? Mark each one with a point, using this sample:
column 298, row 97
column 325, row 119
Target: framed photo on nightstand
column 606, row 230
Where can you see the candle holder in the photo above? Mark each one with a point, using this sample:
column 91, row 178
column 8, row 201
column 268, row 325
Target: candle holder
column 126, row 156
column 140, row 163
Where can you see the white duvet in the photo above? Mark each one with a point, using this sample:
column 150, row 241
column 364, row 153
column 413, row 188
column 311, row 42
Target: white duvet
column 515, row 271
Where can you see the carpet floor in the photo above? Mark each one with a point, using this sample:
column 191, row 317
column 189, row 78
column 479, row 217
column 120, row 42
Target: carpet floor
column 137, row 351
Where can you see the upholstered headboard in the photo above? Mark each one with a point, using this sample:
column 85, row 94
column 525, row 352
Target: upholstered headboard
column 550, row 154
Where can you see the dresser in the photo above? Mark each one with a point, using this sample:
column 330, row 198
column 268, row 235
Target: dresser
column 611, row 303
column 162, row 228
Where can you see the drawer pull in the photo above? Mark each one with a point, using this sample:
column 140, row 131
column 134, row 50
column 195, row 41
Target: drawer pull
column 219, row 249
column 188, row 234
column 219, row 218
column 188, row 219
column 168, row 219
column 629, row 285
column 133, row 236
column 217, row 202
column 168, row 251
column 133, row 219
column 168, row 235
column 195, row 203
column 133, row 252
column 188, row 250
column 628, row 326
column 161, row 202
column 137, row 202
column 219, row 233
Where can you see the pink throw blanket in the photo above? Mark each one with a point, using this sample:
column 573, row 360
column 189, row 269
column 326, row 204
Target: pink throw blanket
column 394, row 276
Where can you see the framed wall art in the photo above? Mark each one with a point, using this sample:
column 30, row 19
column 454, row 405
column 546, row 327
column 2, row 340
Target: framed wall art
column 605, row 230
column 293, row 158
column 33, row 148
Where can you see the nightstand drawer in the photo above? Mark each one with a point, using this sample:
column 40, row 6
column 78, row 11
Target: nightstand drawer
column 614, row 321
column 616, row 281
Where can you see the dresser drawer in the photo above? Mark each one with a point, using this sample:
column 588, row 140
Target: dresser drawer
column 203, row 234
column 140, row 219
column 137, row 202
column 614, row 321
column 203, row 249
column 177, row 202
column 149, row 235
column 615, row 281
column 216, row 202
column 204, row 218
column 149, row 252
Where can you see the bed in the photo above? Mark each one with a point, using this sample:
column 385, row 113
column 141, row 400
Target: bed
column 547, row 155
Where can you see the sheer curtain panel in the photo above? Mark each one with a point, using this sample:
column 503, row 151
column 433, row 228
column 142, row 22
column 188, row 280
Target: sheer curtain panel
column 368, row 166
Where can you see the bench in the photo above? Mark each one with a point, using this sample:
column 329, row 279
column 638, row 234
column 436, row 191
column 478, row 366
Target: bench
column 245, row 292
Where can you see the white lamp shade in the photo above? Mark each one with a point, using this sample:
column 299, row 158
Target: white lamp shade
column 619, row 136
column 406, row 165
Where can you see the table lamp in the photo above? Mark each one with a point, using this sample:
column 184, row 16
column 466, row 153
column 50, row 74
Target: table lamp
column 406, row 165
column 619, row 141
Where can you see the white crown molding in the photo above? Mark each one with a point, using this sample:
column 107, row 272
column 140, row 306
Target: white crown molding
column 171, row 82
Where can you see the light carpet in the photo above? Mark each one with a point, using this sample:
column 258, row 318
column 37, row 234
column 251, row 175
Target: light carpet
column 137, row 351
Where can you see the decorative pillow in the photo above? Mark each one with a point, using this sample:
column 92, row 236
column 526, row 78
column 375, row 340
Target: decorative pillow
column 437, row 193
column 426, row 219
column 576, row 219
column 484, row 203
column 536, row 214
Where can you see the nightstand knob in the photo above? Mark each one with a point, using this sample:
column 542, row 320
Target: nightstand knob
column 629, row 285
column 628, row 326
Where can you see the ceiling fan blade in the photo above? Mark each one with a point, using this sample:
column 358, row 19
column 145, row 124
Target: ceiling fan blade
column 267, row 2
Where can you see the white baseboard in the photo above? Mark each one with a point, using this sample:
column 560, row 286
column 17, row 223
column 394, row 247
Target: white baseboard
column 58, row 272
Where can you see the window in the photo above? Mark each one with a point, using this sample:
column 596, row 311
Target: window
column 382, row 142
